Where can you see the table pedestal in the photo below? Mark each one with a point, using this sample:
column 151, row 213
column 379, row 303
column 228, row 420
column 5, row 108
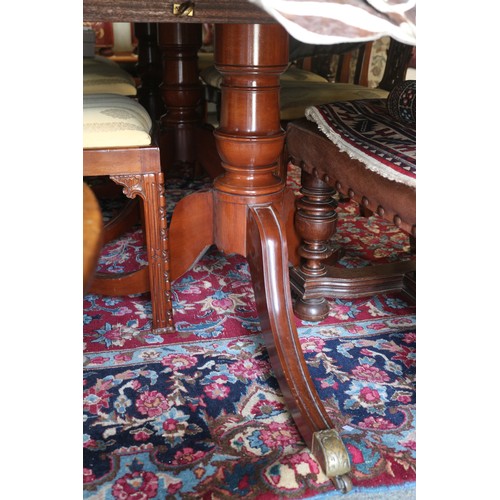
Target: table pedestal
column 249, row 211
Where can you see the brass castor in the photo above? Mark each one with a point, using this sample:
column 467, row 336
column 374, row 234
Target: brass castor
column 329, row 450
column 343, row 483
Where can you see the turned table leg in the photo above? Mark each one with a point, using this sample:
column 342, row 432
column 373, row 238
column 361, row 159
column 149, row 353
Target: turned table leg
column 149, row 69
column 316, row 223
column 182, row 93
column 251, row 212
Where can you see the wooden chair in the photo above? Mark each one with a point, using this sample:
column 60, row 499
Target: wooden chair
column 118, row 143
column 102, row 75
column 332, row 156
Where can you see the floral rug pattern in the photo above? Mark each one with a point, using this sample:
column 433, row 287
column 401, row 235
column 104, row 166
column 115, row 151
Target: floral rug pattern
column 199, row 414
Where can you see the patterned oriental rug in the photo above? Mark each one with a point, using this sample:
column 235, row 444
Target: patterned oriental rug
column 199, row 414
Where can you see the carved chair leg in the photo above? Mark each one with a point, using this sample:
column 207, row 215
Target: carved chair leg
column 316, row 278
column 151, row 189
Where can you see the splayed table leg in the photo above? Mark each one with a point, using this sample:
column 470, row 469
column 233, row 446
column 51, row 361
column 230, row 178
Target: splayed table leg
column 249, row 212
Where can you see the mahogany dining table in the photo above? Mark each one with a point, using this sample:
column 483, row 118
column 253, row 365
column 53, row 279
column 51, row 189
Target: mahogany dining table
column 249, row 210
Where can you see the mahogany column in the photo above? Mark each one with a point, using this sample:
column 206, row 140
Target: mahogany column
column 316, row 222
column 149, row 68
column 249, row 138
column 181, row 91
column 249, row 212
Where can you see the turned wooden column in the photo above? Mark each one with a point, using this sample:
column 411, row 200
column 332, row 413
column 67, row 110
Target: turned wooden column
column 317, row 278
column 149, row 69
column 181, row 91
column 251, row 207
column 249, row 139
column 316, row 223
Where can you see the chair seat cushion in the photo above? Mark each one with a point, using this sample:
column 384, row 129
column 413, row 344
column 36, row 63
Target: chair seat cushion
column 368, row 133
column 295, row 96
column 301, row 88
column 102, row 76
column 114, row 121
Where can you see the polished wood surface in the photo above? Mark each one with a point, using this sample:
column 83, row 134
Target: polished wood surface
column 268, row 261
column 161, row 11
column 250, row 211
column 182, row 92
column 191, row 231
column 93, row 229
column 149, row 69
column 394, row 201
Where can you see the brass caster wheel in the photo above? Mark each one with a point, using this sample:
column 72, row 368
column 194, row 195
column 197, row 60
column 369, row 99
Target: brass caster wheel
column 329, row 450
column 343, row 483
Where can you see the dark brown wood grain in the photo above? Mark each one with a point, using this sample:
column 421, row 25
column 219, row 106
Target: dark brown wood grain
column 159, row 11
column 181, row 92
column 149, row 69
column 268, row 262
column 249, row 211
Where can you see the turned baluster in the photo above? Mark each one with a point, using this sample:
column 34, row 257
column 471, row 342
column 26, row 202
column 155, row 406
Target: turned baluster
column 249, row 138
column 149, row 68
column 181, row 91
column 316, row 223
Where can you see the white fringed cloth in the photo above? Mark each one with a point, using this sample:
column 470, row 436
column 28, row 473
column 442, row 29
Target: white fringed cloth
column 323, row 22
column 368, row 133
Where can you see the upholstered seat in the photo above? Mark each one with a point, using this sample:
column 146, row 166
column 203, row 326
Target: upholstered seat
column 117, row 138
column 104, row 81
column 296, row 96
column 390, row 199
column 111, row 121
column 101, row 75
column 301, row 88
